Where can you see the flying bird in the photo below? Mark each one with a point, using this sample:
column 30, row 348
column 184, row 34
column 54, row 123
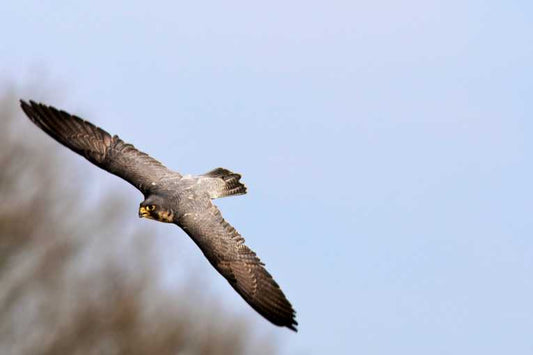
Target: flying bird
column 185, row 200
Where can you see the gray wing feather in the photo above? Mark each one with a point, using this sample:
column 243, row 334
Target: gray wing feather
column 225, row 249
column 96, row 145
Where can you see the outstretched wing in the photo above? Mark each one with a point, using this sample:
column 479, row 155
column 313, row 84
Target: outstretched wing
column 224, row 248
column 99, row 147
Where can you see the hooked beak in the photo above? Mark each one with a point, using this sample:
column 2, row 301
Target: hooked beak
column 143, row 213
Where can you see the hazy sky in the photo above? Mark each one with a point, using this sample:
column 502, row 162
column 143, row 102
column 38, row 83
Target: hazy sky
column 386, row 146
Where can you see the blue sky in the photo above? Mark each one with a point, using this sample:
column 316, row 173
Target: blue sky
column 386, row 147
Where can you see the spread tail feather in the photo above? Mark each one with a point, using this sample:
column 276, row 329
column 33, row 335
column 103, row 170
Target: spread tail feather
column 222, row 182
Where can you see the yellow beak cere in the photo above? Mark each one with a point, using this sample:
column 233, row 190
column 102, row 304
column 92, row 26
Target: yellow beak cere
column 143, row 213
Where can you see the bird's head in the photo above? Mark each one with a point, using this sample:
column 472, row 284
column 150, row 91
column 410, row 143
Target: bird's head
column 156, row 207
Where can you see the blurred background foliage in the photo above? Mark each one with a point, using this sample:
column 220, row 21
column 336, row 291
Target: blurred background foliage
column 74, row 280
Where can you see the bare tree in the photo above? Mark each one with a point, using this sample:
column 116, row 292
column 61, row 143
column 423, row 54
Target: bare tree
column 74, row 282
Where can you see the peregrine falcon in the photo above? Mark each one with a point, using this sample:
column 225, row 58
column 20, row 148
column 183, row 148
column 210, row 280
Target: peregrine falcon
column 184, row 200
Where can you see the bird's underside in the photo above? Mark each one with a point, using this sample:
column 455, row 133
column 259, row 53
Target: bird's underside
column 182, row 200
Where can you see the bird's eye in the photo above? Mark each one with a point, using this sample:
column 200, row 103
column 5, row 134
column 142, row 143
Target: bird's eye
column 150, row 208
